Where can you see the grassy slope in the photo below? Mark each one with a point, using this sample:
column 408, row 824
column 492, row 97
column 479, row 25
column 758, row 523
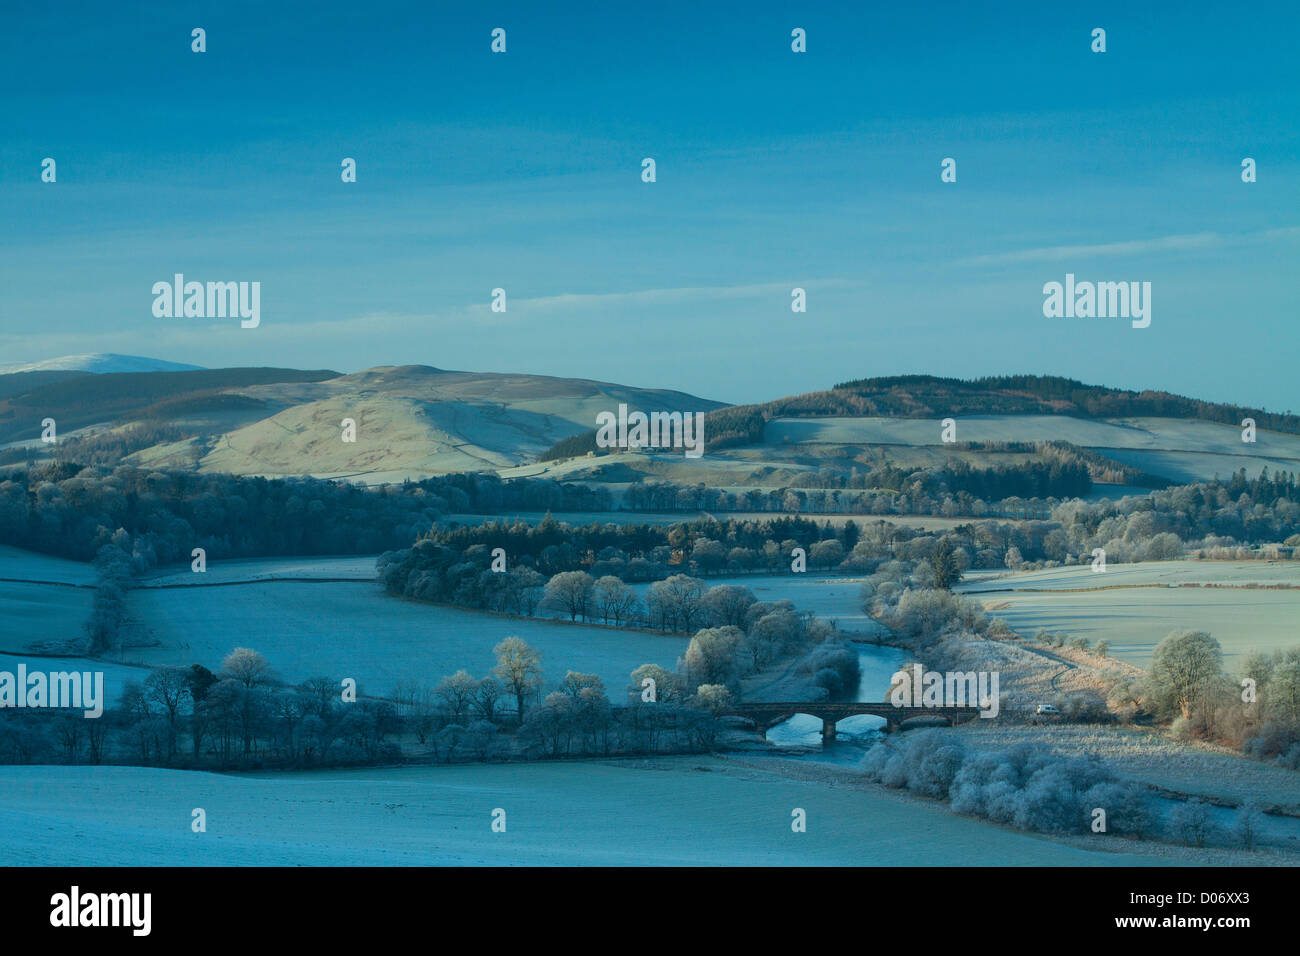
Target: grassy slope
column 355, row 630
column 1134, row 607
column 667, row 812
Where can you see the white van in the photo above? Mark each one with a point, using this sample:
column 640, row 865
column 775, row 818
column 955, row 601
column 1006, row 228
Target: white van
column 1046, row 709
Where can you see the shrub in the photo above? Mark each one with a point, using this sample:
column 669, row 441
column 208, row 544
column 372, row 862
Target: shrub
column 1191, row 823
column 1246, row 828
column 1026, row 786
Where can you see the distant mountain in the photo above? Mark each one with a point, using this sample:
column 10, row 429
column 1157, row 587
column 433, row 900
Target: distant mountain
column 100, row 363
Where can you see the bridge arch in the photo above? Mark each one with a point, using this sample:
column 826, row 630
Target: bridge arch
column 766, row 714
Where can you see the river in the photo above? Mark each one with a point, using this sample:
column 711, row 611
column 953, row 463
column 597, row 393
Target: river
column 878, row 664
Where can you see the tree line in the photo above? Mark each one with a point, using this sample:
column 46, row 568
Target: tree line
column 243, row 717
column 73, row 511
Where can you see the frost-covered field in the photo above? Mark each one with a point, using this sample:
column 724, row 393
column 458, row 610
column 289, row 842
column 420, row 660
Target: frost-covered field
column 20, row 565
column 351, row 567
column 1182, row 449
column 1189, row 466
column 1143, row 574
column 41, row 612
column 54, row 611
column 353, row 629
column 1167, row 434
column 1134, row 620
column 1135, row 605
column 685, row 811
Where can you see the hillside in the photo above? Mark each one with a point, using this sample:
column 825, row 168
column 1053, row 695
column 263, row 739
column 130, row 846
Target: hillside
column 1127, row 437
column 411, row 421
column 116, row 399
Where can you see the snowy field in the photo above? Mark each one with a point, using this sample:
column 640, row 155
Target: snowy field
column 1135, row 605
column 1181, row 449
column 50, row 610
column 349, row 567
column 1141, row 574
column 41, row 612
column 1184, row 467
column 353, row 629
column 1135, row 620
column 19, row 565
column 683, row 811
column 1162, row 434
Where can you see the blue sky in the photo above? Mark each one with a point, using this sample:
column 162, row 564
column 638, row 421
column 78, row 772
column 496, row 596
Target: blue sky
column 775, row 170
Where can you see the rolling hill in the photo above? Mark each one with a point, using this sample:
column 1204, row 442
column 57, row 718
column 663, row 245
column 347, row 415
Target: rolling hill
column 1148, row 438
column 414, row 421
column 411, row 421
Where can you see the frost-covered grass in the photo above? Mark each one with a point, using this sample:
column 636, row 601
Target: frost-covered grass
column 1134, row 620
column 1135, row 605
column 1173, row 434
column 1189, row 466
column 352, row 567
column 17, row 564
column 353, row 629
column 1181, row 449
column 32, row 613
column 688, row 811
column 1143, row 574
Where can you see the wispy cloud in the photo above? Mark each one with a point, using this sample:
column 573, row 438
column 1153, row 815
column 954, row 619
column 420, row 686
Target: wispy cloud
column 1180, row 243
column 1200, row 240
column 675, row 296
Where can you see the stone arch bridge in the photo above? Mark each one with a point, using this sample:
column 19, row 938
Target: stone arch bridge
column 766, row 714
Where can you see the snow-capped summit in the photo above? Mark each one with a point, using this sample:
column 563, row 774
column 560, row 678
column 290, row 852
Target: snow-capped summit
column 100, row 363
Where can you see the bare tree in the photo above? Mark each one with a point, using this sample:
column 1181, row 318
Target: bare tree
column 519, row 667
column 457, row 691
column 168, row 687
column 1183, row 668
column 487, row 694
column 614, row 600
column 246, row 666
column 570, row 591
